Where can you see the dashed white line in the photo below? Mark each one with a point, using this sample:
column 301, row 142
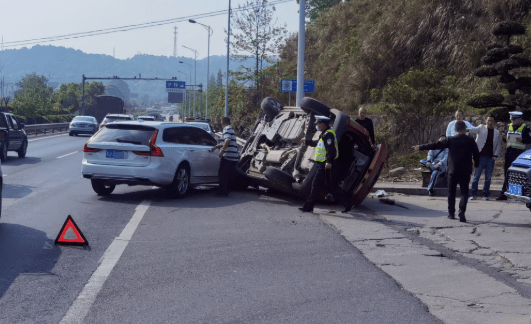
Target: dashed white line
column 62, row 156
column 81, row 306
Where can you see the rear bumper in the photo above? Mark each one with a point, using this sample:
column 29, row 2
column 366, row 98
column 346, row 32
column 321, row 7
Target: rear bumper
column 154, row 174
column 371, row 176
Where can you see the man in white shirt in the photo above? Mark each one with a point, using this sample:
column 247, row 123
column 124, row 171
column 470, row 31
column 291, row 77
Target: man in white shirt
column 489, row 145
column 459, row 116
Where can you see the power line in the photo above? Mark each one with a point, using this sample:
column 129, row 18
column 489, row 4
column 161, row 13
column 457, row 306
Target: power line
column 131, row 27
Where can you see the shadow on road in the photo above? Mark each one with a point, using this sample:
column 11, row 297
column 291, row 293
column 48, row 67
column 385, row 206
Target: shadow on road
column 16, row 161
column 24, row 250
column 16, row 191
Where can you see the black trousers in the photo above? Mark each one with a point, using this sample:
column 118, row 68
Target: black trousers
column 323, row 180
column 463, row 180
column 510, row 156
column 226, row 167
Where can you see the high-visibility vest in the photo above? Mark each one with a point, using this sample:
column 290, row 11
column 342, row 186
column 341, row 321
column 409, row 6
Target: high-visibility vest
column 320, row 149
column 518, row 132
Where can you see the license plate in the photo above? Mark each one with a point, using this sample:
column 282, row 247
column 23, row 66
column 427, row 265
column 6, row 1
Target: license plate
column 112, row 154
column 515, row 189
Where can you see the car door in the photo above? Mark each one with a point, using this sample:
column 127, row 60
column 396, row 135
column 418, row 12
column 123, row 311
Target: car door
column 180, row 144
column 205, row 142
column 16, row 134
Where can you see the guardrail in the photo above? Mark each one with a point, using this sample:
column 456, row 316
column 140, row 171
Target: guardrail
column 46, row 127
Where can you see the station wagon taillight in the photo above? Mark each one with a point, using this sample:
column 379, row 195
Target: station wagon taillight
column 154, row 150
column 87, row 149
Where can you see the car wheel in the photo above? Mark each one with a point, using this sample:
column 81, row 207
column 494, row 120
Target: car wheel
column 70, row 134
column 278, row 177
column 23, row 149
column 3, row 151
column 181, row 182
column 310, row 105
column 271, row 107
column 76, row 134
column 101, row 188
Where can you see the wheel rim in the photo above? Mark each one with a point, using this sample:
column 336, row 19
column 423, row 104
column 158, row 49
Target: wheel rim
column 182, row 180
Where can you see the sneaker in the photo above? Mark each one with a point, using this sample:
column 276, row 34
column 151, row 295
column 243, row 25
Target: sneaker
column 486, row 198
column 431, row 192
column 474, row 198
column 451, row 216
column 502, row 197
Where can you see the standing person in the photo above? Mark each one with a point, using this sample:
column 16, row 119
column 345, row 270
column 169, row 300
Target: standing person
column 326, row 153
column 517, row 137
column 461, row 150
column 366, row 122
column 436, row 162
column 229, row 157
column 459, row 116
column 489, row 145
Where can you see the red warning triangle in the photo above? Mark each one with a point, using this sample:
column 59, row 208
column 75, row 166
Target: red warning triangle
column 70, row 234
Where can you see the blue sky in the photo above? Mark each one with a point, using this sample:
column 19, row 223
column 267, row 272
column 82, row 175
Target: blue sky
column 32, row 19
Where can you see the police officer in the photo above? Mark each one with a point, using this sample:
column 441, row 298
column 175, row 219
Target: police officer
column 326, row 152
column 517, row 137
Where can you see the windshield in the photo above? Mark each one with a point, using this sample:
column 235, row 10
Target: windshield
column 134, row 134
column 85, row 119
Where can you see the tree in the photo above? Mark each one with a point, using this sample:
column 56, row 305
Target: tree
column 34, row 97
column 315, row 7
column 417, row 100
column 121, row 89
column 257, row 37
column 219, row 80
column 68, row 98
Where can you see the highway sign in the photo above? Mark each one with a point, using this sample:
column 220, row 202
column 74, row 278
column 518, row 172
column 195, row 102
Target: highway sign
column 290, row 85
column 175, row 86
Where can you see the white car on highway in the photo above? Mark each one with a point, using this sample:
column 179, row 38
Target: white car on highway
column 172, row 155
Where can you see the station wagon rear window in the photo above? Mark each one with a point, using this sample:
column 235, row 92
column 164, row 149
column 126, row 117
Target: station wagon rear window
column 133, row 134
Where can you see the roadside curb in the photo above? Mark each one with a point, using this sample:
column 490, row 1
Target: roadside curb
column 417, row 190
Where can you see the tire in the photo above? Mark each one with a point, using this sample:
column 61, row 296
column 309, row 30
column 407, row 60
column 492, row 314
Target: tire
column 76, row 134
column 3, row 151
column 181, row 182
column 70, row 134
column 101, row 188
column 278, row 177
column 271, row 107
column 23, row 149
column 310, row 105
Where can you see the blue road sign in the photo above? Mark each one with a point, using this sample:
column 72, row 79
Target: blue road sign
column 175, row 85
column 290, row 85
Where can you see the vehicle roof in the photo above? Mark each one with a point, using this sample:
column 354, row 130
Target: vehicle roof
column 118, row 115
column 84, row 116
column 156, row 124
column 146, row 116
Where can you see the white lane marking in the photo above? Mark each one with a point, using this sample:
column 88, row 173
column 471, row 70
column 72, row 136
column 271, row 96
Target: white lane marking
column 62, row 156
column 40, row 139
column 81, row 306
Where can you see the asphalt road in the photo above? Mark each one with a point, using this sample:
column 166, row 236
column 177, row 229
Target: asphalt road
column 249, row 258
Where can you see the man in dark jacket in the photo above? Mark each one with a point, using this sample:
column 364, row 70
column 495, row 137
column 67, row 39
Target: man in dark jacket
column 461, row 150
column 366, row 123
column 326, row 154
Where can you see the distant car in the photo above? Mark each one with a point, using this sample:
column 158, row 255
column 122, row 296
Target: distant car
column 275, row 156
column 146, row 118
column 171, row 155
column 157, row 116
column 110, row 118
column 14, row 136
column 204, row 126
column 83, row 125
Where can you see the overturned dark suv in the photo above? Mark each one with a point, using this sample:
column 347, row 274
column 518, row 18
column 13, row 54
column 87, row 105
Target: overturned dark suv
column 275, row 155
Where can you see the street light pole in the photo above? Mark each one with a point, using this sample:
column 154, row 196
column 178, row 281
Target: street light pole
column 189, row 66
column 195, row 71
column 300, row 55
column 210, row 32
column 227, row 87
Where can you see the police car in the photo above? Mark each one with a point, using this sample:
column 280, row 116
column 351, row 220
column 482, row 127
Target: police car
column 519, row 179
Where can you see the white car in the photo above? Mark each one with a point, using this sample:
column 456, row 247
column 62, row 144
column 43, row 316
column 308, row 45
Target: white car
column 172, row 155
column 204, row 126
column 111, row 118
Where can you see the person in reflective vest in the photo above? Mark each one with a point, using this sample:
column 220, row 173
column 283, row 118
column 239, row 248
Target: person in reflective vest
column 326, row 153
column 517, row 137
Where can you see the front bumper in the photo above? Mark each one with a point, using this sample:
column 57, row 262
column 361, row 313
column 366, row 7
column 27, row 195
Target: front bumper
column 83, row 130
column 523, row 199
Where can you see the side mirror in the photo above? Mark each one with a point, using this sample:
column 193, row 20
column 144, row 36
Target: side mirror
column 21, row 125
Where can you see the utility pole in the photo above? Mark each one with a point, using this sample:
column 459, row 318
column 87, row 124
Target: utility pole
column 300, row 55
column 227, row 86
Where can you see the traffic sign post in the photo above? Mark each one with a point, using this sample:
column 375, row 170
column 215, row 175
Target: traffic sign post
column 290, row 85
